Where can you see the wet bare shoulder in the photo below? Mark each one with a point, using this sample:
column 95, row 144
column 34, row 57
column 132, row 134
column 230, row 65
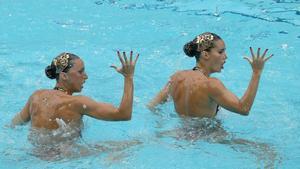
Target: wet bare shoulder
column 214, row 82
column 180, row 75
column 215, row 86
column 39, row 93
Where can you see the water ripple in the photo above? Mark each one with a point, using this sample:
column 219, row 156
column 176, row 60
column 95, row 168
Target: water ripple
column 172, row 6
column 4, row 50
column 276, row 19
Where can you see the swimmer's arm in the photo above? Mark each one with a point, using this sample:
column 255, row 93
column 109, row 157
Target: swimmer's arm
column 22, row 117
column 228, row 100
column 231, row 102
column 105, row 111
column 160, row 98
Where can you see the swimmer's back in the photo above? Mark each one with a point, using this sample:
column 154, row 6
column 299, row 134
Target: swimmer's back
column 189, row 90
column 46, row 107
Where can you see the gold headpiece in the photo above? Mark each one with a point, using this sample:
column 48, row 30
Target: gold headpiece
column 204, row 41
column 61, row 62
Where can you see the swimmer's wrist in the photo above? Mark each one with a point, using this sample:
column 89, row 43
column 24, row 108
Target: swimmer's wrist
column 130, row 77
column 257, row 73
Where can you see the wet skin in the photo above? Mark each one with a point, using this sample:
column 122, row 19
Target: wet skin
column 45, row 108
column 196, row 94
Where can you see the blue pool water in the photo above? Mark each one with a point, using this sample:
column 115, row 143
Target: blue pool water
column 33, row 32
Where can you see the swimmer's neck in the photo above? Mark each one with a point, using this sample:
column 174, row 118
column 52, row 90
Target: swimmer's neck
column 203, row 69
column 60, row 87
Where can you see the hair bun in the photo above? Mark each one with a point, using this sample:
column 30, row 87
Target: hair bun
column 50, row 72
column 190, row 49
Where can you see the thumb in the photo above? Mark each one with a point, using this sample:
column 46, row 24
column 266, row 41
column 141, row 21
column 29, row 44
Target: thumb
column 114, row 67
column 247, row 58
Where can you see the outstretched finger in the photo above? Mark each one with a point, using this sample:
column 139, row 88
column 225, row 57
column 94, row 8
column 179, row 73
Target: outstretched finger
column 131, row 56
column 121, row 60
column 268, row 58
column 137, row 56
column 258, row 52
column 264, row 54
column 252, row 54
column 124, row 55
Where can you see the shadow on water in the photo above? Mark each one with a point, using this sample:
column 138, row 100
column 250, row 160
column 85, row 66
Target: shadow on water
column 211, row 131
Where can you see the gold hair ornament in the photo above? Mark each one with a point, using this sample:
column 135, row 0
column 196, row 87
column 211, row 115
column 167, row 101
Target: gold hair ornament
column 204, row 37
column 204, row 41
column 61, row 62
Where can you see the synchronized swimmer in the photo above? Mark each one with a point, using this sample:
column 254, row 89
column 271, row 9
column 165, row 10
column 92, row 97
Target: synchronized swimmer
column 48, row 109
column 194, row 92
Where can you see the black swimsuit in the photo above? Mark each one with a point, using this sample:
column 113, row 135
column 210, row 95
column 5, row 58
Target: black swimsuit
column 218, row 106
column 218, row 109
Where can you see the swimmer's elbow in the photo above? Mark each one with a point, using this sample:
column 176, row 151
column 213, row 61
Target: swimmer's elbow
column 241, row 112
column 128, row 118
column 123, row 116
column 241, row 109
column 244, row 111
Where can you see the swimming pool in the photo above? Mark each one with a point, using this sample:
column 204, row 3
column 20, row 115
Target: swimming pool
column 32, row 33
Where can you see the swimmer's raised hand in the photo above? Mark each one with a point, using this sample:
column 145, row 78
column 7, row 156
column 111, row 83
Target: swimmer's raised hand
column 128, row 66
column 257, row 61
